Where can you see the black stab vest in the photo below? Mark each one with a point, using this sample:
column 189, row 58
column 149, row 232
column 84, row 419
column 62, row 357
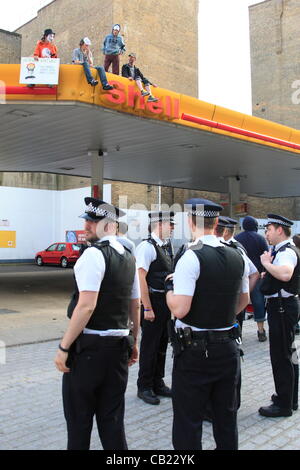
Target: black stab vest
column 180, row 252
column 236, row 244
column 217, row 288
column 111, row 311
column 159, row 268
column 270, row 285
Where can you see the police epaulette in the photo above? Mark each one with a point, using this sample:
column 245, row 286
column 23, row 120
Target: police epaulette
column 150, row 240
column 230, row 244
column 100, row 244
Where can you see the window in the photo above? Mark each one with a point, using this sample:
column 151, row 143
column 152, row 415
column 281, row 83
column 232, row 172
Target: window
column 76, row 247
column 61, row 247
column 52, row 247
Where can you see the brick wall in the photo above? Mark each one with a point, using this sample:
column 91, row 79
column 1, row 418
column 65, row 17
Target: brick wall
column 10, row 47
column 275, row 70
column 164, row 38
column 275, row 60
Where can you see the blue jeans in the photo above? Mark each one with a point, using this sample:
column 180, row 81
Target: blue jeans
column 258, row 302
column 100, row 70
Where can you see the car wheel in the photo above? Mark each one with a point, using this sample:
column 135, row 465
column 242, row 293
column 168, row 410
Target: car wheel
column 64, row 263
column 39, row 261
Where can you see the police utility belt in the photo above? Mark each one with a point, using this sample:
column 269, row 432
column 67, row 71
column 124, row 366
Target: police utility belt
column 186, row 338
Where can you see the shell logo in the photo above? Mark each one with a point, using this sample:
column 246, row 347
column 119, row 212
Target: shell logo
column 130, row 99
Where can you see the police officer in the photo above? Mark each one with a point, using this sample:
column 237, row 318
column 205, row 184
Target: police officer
column 95, row 350
column 220, row 228
column 281, row 286
column 154, row 263
column 210, row 287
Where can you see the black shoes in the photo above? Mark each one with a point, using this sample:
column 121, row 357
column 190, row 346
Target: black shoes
column 262, row 336
column 163, row 391
column 148, row 396
column 107, row 87
column 273, row 411
column 274, row 399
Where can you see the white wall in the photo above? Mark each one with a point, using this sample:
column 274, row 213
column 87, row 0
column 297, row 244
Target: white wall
column 71, row 206
column 41, row 217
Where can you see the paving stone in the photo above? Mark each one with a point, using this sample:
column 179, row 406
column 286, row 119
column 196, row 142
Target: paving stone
column 31, row 413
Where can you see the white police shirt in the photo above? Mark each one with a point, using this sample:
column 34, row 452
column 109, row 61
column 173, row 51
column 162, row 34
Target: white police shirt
column 187, row 273
column 89, row 272
column 252, row 267
column 146, row 253
column 284, row 258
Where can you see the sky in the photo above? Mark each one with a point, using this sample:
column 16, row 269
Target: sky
column 224, row 48
column 224, row 53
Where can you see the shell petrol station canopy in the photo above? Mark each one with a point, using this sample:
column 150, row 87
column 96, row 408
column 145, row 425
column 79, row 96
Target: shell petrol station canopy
column 179, row 141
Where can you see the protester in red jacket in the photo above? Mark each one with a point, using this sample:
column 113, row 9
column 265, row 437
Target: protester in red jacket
column 45, row 48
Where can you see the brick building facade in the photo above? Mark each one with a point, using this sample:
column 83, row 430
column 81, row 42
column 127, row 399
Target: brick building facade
column 275, row 69
column 275, row 61
column 10, row 47
column 164, row 38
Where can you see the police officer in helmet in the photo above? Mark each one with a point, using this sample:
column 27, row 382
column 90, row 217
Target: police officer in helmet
column 281, row 286
column 210, row 286
column 154, row 263
column 97, row 348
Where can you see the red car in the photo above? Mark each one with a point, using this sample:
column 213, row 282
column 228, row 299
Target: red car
column 62, row 253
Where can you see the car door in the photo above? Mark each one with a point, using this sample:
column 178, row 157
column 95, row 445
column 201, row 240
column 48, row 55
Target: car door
column 60, row 252
column 50, row 254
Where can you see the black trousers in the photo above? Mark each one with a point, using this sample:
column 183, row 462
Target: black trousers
column 95, row 386
column 197, row 380
column 154, row 343
column 284, row 357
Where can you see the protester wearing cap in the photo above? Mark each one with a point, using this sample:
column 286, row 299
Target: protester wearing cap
column 106, row 296
column 131, row 72
column 255, row 244
column 210, row 285
column 45, row 48
column 113, row 47
column 83, row 56
column 281, row 286
column 154, row 262
column 253, row 273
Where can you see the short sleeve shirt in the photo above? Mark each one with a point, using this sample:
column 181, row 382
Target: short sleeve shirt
column 90, row 268
column 284, row 258
column 146, row 253
column 188, row 269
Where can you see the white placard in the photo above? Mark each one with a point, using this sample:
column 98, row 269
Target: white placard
column 39, row 72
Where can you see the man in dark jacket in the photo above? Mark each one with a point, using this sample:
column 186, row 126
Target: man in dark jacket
column 131, row 72
column 255, row 246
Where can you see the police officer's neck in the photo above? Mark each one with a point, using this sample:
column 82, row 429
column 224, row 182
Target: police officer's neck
column 200, row 232
column 279, row 240
column 159, row 234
